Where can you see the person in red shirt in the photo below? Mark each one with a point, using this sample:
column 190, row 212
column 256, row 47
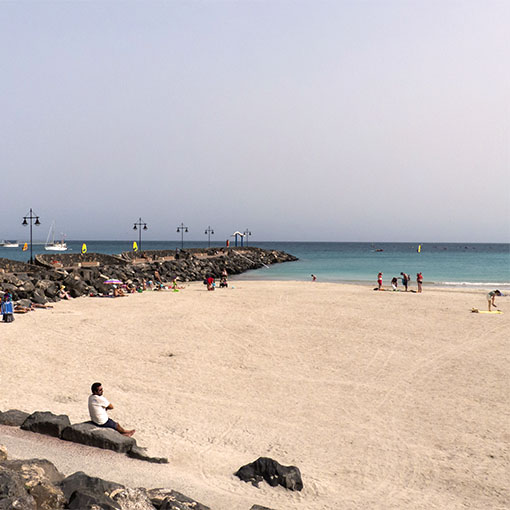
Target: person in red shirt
column 379, row 281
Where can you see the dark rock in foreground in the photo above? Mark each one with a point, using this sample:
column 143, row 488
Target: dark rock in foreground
column 13, row 417
column 272, row 472
column 47, row 423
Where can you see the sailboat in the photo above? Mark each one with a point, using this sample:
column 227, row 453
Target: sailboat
column 54, row 246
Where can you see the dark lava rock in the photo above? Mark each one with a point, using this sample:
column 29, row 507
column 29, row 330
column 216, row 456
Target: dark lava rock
column 88, row 500
column 47, row 423
column 177, row 501
column 13, row 494
column 13, row 417
column 90, row 434
column 81, row 482
column 272, row 472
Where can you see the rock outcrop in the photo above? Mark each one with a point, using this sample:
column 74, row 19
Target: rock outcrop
column 85, row 274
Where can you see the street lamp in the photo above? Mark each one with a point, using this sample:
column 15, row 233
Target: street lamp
column 140, row 223
column 31, row 217
column 209, row 231
column 182, row 228
column 246, row 233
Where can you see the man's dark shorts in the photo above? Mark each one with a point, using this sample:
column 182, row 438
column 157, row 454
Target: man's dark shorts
column 110, row 424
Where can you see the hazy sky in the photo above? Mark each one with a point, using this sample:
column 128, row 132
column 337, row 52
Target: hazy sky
column 305, row 120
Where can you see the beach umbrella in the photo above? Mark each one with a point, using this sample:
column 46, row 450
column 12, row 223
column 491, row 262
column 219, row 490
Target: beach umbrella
column 112, row 281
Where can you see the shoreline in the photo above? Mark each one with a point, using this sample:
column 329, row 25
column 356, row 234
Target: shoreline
column 381, row 402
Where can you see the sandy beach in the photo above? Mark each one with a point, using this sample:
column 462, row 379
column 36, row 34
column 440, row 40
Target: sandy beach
column 382, row 399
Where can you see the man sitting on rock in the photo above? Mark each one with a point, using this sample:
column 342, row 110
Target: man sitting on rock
column 98, row 405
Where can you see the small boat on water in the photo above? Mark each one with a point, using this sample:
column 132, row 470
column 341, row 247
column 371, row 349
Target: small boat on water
column 54, row 245
column 9, row 244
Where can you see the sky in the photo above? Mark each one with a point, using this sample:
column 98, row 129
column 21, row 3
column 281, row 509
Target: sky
column 310, row 120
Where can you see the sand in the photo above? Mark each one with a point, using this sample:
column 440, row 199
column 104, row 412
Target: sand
column 382, row 399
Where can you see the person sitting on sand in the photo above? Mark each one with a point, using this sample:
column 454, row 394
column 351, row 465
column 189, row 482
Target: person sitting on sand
column 63, row 294
column 491, row 297
column 210, row 283
column 379, row 281
column 117, row 292
column 98, row 407
column 7, row 308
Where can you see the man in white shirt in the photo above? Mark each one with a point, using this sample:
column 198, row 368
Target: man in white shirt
column 98, row 407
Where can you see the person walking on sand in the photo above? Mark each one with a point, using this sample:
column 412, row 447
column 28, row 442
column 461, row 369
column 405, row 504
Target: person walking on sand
column 379, row 281
column 419, row 281
column 405, row 280
column 491, row 297
column 98, row 407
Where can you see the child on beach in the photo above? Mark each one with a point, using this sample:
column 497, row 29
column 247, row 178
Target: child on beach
column 379, row 281
column 491, row 297
column 394, row 283
column 7, row 309
column 314, row 278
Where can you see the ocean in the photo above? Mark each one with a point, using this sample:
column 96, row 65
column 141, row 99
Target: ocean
column 445, row 264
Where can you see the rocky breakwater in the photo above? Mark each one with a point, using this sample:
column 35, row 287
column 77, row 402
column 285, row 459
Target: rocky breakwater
column 81, row 276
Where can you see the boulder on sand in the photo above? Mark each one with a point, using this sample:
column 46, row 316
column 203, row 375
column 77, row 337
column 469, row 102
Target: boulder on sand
column 90, row 434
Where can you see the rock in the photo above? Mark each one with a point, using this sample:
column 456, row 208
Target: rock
column 13, row 417
column 177, row 501
column 34, row 470
column 92, row 435
column 272, row 472
column 3, row 453
column 80, row 481
column 39, row 297
column 258, row 507
column 140, row 453
column 48, row 497
column 132, row 499
column 87, row 500
column 47, row 423
column 13, row 494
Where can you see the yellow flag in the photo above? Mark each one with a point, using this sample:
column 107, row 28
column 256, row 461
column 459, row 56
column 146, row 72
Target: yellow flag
column 84, row 248
column 135, row 246
column 25, row 247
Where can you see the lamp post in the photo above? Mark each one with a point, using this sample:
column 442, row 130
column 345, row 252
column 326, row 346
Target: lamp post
column 31, row 217
column 182, row 228
column 209, row 231
column 140, row 224
column 246, row 233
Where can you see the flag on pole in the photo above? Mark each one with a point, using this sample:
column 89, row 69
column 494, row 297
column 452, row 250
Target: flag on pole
column 84, row 248
column 25, row 247
column 135, row 246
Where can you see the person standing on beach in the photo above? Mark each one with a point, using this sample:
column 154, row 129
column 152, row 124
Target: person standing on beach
column 379, row 281
column 419, row 281
column 98, row 407
column 491, row 297
column 314, row 278
column 405, row 280
column 7, row 309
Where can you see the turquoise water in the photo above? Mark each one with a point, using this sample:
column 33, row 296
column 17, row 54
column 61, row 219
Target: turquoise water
column 441, row 263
